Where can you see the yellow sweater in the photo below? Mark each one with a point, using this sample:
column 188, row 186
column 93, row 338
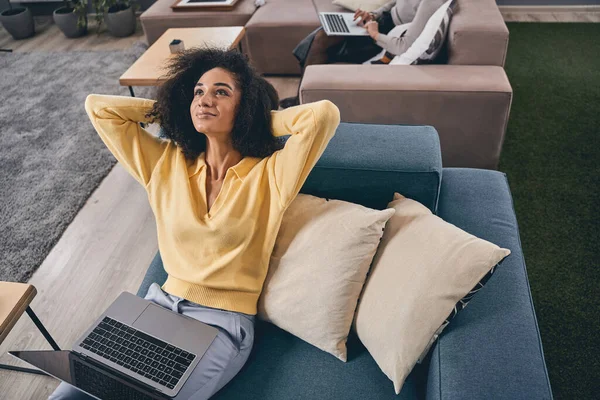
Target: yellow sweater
column 219, row 258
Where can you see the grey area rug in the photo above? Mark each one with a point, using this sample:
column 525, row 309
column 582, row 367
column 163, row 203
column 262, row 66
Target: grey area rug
column 51, row 158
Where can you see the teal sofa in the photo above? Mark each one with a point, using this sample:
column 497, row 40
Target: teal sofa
column 491, row 350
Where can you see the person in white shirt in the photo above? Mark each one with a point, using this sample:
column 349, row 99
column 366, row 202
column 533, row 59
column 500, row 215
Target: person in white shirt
column 318, row 48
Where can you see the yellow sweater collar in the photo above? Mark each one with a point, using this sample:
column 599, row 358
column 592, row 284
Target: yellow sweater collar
column 241, row 169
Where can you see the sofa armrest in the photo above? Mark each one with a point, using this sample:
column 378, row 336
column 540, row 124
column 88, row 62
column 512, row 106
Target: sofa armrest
column 492, row 349
column 477, row 34
column 467, row 105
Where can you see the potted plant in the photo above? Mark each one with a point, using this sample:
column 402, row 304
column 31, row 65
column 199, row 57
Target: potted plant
column 118, row 14
column 71, row 18
column 18, row 22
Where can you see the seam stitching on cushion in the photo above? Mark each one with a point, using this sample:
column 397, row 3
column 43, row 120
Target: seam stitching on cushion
column 380, row 170
column 438, row 191
column 505, row 126
column 402, row 90
column 529, row 289
column 505, row 49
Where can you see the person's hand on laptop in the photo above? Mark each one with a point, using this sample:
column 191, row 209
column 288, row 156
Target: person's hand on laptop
column 373, row 29
column 364, row 17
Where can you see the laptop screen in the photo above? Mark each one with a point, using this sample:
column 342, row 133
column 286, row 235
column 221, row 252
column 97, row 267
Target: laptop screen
column 89, row 377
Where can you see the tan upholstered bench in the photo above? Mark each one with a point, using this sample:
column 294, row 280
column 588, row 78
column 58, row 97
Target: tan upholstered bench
column 14, row 300
column 160, row 17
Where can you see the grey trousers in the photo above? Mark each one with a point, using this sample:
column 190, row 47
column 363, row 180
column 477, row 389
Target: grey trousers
column 222, row 361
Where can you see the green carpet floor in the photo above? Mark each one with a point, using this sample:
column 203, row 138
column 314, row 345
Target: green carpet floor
column 551, row 156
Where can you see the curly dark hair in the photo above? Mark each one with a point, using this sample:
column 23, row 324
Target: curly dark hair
column 251, row 135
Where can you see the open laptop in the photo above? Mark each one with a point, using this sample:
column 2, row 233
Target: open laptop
column 135, row 349
column 341, row 24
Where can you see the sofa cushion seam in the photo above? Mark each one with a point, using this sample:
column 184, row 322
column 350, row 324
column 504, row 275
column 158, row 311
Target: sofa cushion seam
column 505, row 124
column 381, row 170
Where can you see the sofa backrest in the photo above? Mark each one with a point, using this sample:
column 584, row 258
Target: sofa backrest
column 367, row 163
column 477, row 34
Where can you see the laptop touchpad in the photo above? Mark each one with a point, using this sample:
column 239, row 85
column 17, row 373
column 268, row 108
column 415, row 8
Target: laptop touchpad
column 158, row 322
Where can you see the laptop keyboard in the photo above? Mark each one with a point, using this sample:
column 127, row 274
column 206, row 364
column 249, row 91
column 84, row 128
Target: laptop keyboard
column 139, row 352
column 102, row 386
column 336, row 23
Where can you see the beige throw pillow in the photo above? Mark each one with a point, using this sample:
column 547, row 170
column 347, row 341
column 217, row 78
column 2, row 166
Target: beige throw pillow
column 318, row 267
column 422, row 268
column 365, row 5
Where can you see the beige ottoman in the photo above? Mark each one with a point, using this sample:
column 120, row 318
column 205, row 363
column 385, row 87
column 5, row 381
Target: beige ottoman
column 160, row 17
column 273, row 32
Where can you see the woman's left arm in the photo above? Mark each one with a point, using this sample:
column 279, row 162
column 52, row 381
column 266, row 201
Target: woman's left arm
column 311, row 127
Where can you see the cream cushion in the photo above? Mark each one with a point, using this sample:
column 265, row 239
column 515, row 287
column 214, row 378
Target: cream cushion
column 422, row 268
column 318, row 267
column 365, row 5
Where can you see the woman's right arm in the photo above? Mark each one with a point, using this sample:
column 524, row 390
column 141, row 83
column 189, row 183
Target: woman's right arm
column 116, row 119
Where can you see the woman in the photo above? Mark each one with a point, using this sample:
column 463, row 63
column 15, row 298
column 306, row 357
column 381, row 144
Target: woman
column 218, row 183
column 319, row 48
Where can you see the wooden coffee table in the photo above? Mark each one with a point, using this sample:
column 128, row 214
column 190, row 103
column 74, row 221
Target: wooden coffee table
column 148, row 70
